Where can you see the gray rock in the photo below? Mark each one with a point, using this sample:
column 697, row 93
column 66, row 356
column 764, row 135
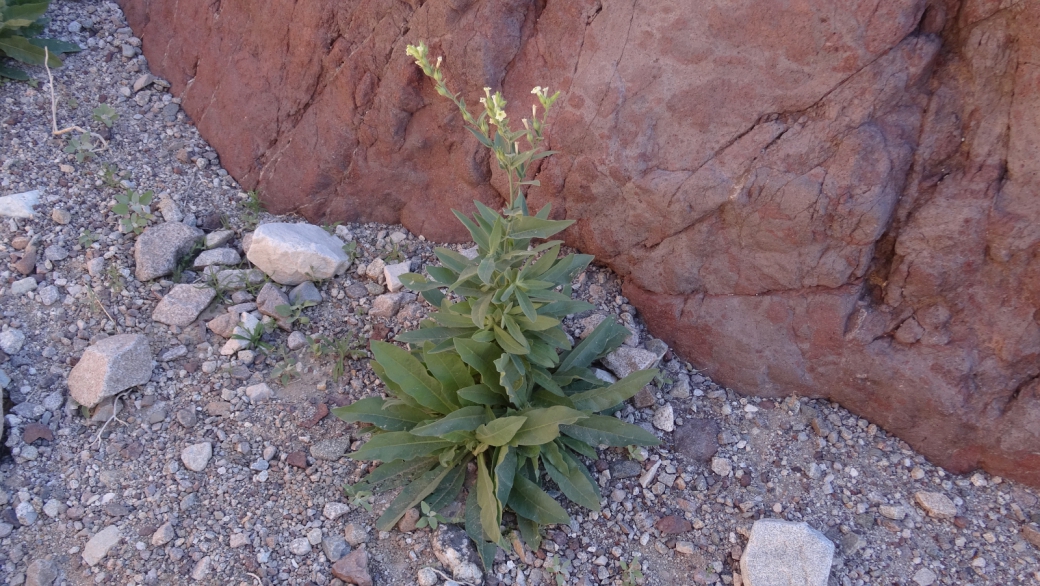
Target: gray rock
column 187, row 418
column 721, row 466
column 26, row 513
column 259, row 392
column 61, row 216
column 237, row 278
column 296, row 341
column 453, row 548
column 164, row 534
column 293, row 253
column 99, row 545
column 171, row 212
column 624, row 361
column 223, row 325
column 174, row 353
column 331, row 449
column 201, row 569
column 22, row 286
column 936, row 504
column 139, row 84
column 305, row 291
column 314, row 536
column 55, row 253
column 697, row 439
column 334, row 547
column 41, row 573
column 386, row 305
column 96, row 266
column 238, row 540
column 300, row 546
column 896, row 513
column 217, row 256
column 925, row 577
column 334, row 511
column 780, row 553
column 109, row 367
column 374, row 270
column 159, row 248
column 427, row 577
column 196, row 456
column 620, row 469
column 19, row 205
column 11, row 341
column 49, row 295
column 664, row 418
column 267, row 301
column 5, row 528
column 183, row 304
column 355, row 534
column 392, row 273
column 218, row 238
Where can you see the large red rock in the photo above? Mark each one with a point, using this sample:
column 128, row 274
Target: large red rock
column 835, row 198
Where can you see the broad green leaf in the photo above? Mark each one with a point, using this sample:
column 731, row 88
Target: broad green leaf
column 406, row 370
column 543, row 355
column 489, row 215
column 603, row 430
column 57, row 47
column 484, row 140
column 525, row 304
column 451, row 259
column 544, row 263
column 449, row 488
column 500, row 431
column 431, row 334
column 490, row 508
column 529, row 531
column 534, row 227
column 606, row 397
column 555, row 337
column 450, row 319
column 530, row 501
column 433, row 297
column 579, row 446
column 21, row 49
column 596, row 344
column 551, row 455
column 486, row 269
column 565, row 308
column 481, row 395
column 412, row 495
column 505, row 471
column 541, row 378
column 480, row 310
column 398, row 445
column 418, row 283
column 374, row 410
column 448, row 369
column 543, row 425
column 393, row 474
column 485, row 550
column 26, row 12
column 477, row 232
column 464, row 419
column 13, row 73
column 481, row 356
column 575, row 482
column 515, row 332
column 442, row 275
column 508, row 343
column 540, row 323
column 563, row 271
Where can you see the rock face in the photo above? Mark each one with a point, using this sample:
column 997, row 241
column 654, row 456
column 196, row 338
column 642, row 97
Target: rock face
column 845, row 210
column 109, row 367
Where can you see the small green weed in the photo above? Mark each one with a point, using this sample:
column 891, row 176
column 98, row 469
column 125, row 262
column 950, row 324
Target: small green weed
column 87, row 238
column 250, row 209
column 106, row 115
column 359, row 498
column 286, row 369
column 637, row 453
column 186, row 262
column 115, row 279
column 351, row 248
column 430, row 518
column 110, row 175
column 632, row 572
column 330, row 228
column 294, row 313
column 133, row 210
column 559, row 569
column 82, row 146
column 394, row 255
column 255, row 337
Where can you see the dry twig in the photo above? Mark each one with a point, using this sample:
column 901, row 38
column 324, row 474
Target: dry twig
column 54, row 110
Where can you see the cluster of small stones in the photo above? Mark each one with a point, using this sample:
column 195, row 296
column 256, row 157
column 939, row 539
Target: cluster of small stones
column 223, row 465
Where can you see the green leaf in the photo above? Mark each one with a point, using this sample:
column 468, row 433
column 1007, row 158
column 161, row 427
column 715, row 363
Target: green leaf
column 448, row 369
column 575, row 482
column 417, row 283
column 490, row 508
column 398, row 445
column 121, row 209
column 563, row 272
column 395, row 417
column 529, row 531
column 534, row 227
column 543, row 425
column 526, row 306
column 13, row 73
column 485, row 550
column 486, row 269
column 481, row 357
column 595, row 345
column 603, row 430
column 501, row 431
column 26, row 12
column 395, row 473
column 477, row 232
column 530, row 501
column 448, row 490
column 579, row 446
column 20, row 49
column 55, row 46
column 508, row 343
column 515, row 332
column 442, row 275
column 464, row 419
column 406, row 370
column 484, row 140
column 606, row 397
column 430, row 334
column 450, row 319
column 480, row 309
column 412, row 495
column 452, row 260
column 505, row 471
column 481, row 395
column 565, row 308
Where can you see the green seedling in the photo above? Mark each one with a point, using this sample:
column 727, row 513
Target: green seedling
column 106, row 115
column 134, row 210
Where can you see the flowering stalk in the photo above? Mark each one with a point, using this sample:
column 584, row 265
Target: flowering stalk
column 491, row 127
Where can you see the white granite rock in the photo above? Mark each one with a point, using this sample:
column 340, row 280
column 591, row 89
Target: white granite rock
column 293, row 253
column 19, row 205
column 393, row 273
column 217, row 256
column 183, row 304
column 99, row 545
column 196, row 456
column 109, row 367
column 781, row 553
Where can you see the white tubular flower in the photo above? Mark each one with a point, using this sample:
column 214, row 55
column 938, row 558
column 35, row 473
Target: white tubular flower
column 500, row 115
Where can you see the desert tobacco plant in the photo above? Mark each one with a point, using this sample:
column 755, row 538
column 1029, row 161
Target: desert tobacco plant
column 20, row 23
column 491, row 379
column 134, row 210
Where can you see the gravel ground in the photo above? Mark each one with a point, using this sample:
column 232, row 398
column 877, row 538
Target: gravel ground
column 257, row 511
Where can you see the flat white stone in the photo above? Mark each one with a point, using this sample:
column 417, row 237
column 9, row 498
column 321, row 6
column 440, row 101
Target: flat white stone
column 293, row 253
column 19, row 205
